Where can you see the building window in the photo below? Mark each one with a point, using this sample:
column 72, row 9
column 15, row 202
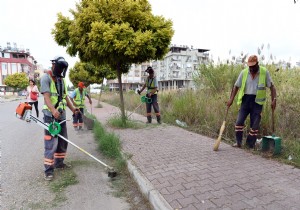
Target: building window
column 6, row 55
column 13, row 68
column 22, row 56
column 4, row 68
column 15, row 55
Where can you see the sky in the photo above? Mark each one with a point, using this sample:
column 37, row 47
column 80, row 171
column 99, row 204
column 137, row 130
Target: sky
column 222, row 26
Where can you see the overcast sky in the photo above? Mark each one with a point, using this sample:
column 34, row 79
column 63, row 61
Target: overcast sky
column 220, row 25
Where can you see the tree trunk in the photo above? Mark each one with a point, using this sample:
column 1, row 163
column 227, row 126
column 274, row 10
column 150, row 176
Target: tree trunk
column 119, row 74
column 100, row 92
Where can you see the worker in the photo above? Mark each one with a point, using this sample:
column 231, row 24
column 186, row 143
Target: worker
column 54, row 90
column 251, row 84
column 78, row 100
column 152, row 90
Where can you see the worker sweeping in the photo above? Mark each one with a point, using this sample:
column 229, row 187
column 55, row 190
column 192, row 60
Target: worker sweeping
column 251, row 84
column 78, row 100
column 54, row 90
column 152, row 90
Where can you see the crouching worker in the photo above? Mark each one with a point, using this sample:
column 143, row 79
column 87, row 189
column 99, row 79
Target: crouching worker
column 78, row 100
column 54, row 90
column 152, row 89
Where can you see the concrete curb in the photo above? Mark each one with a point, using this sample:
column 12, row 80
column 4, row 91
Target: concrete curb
column 154, row 197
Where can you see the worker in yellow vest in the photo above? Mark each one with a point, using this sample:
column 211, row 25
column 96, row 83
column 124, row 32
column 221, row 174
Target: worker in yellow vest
column 54, row 90
column 152, row 90
column 251, row 84
column 78, row 99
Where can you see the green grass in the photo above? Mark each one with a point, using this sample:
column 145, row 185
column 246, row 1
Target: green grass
column 123, row 184
column 109, row 143
column 117, row 122
column 63, row 179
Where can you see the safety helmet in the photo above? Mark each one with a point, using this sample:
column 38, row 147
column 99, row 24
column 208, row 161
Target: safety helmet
column 60, row 67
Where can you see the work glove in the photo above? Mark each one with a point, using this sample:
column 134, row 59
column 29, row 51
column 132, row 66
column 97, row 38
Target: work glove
column 139, row 92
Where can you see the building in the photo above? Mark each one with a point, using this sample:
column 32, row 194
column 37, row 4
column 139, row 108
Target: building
column 174, row 71
column 135, row 77
column 15, row 60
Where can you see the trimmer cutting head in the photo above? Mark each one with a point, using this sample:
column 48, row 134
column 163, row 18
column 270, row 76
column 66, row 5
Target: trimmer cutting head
column 112, row 173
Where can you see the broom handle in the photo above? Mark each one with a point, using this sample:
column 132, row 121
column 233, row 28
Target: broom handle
column 228, row 106
column 226, row 113
column 273, row 123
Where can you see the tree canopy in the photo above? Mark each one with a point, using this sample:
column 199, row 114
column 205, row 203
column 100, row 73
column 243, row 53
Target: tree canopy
column 115, row 32
column 17, row 81
column 89, row 73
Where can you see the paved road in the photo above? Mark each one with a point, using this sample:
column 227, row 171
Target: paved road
column 183, row 172
column 22, row 183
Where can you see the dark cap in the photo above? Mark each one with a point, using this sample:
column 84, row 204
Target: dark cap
column 150, row 70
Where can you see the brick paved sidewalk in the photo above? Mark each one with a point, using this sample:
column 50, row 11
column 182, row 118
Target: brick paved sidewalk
column 188, row 174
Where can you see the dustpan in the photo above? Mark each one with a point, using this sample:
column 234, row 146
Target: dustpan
column 88, row 122
column 272, row 143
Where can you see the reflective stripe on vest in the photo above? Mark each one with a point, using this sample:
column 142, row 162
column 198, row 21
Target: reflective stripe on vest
column 261, row 87
column 79, row 101
column 54, row 95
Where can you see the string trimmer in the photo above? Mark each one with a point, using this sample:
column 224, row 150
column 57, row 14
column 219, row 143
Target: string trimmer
column 144, row 99
column 23, row 112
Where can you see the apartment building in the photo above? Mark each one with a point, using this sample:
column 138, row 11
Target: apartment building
column 135, row 77
column 174, row 71
column 15, row 60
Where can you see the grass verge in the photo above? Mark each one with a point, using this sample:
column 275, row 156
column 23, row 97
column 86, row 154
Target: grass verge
column 123, row 184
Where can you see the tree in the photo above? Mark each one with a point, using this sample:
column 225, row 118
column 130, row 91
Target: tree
column 81, row 73
column 17, row 81
column 116, row 33
column 89, row 74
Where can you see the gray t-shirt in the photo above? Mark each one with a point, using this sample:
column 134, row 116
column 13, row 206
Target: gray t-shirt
column 251, row 84
column 45, row 88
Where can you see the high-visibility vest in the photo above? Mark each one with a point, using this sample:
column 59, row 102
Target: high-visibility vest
column 150, row 84
column 79, row 101
column 261, row 87
column 54, row 95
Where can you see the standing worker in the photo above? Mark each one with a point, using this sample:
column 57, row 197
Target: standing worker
column 54, row 90
column 152, row 89
column 78, row 100
column 251, row 83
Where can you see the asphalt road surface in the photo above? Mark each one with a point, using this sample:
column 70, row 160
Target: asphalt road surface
column 22, row 182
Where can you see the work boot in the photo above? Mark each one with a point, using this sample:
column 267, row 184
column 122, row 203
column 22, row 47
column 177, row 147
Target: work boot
column 238, row 145
column 48, row 176
column 158, row 119
column 149, row 120
column 63, row 166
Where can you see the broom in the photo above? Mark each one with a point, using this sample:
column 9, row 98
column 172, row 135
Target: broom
column 217, row 144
